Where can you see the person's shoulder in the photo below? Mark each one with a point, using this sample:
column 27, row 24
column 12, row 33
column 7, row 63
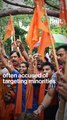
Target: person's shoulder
column 15, row 71
column 4, row 71
column 54, row 76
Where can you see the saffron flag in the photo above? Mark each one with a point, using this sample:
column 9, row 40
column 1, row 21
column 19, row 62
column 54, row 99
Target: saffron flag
column 45, row 42
column 41, row 15
column 36, row 25
column 63, row 12
column 33, row 34
column 9, row 29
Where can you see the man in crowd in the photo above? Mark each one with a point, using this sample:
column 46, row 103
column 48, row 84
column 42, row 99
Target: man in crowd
column 15, row 59
column 62, row 58
column 50, row 111
column 23, row 69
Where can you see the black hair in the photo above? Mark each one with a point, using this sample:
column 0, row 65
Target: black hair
column 15, row 52
column 64, row 46
column 46, row 59
column 27, row 65
column 49, row 64
column 5, row 56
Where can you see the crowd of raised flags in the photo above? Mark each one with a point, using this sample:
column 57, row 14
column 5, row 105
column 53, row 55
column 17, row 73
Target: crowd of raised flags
column 39, row 31
column 39, row 26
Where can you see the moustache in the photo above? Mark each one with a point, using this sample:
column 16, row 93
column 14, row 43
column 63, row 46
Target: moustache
column 13, row 60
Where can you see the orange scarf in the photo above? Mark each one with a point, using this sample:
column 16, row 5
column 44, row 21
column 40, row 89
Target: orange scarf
column 41, row 96
column 29, row 97
column 41, row 93
column 19, row 99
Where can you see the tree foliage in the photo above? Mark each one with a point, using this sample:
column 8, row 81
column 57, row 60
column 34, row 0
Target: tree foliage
column 26, row 19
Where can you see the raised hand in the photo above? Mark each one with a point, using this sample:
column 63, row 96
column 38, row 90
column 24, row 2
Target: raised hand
column 14, row 45
column 62, row 86
column 18, row 42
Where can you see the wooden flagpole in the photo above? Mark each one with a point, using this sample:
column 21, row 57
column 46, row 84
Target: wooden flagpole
column 62, row 101
column 53, row 47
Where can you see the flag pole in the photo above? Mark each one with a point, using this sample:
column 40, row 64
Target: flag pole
column 11, row 43
column 53, row 47
column 61, row 110
column 14, row 37
column 19, row 49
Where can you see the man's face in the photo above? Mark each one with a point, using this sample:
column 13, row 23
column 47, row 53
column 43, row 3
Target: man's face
column 61, row 56
column 22, row 68
column 14, row 59
column 47, row 70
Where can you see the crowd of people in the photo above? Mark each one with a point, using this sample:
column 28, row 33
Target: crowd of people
column 36, row 87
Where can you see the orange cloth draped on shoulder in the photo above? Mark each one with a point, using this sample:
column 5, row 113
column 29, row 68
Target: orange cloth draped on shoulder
column 41, row 96
column 36, row 25
column 19, row 98
column 42, row 92
column 63, row 12
column 9, row 29
column 6, row 111
column 18, row 108
column 29, row 95
column 42, row 88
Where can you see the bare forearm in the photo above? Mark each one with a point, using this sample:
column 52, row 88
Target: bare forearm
column 23, row 52
column 6, row 63
column 30, row 69
column 46, row 101
column 25, row 55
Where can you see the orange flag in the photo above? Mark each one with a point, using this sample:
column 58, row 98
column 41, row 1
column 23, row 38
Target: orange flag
column 36, row 24
column 9, row 29
column 41, row 13
column 33, row 34
column 45, row 42
column 63, row 12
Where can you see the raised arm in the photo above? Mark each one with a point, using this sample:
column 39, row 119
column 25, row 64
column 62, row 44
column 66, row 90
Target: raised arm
column 23, row 51
column 3, row 50
column 5, row 62
column 46, row 101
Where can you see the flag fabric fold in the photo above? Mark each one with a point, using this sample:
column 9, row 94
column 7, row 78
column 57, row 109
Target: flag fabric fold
column 9, row 29
column 33, row 34
column 45, row 42
column 36, row 25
